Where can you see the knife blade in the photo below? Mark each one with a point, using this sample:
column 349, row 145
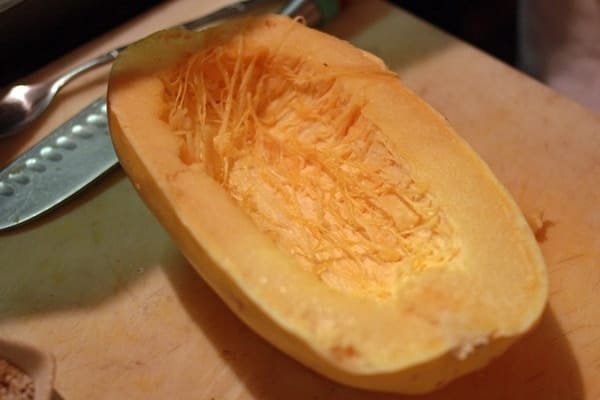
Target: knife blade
column 80, row 151
column 64, row 162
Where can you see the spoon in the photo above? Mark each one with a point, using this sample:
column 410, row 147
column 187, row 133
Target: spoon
column 21, row 104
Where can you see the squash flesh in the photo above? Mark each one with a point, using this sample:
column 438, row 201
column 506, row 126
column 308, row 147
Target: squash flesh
column 436, row 323
column 293, row 148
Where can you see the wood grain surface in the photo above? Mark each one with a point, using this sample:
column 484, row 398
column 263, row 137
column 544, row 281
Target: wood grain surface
column 100, row 285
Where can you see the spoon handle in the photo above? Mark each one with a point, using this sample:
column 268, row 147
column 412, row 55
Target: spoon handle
column 228, row 11
column 225, row 12
column 102, row 59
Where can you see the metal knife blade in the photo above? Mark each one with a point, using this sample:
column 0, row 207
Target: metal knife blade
column 63, row 163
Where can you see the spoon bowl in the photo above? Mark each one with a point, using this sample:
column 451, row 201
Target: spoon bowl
column 22, row 104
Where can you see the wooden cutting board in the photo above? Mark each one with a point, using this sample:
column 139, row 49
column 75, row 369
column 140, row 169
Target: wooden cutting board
column 100, row 285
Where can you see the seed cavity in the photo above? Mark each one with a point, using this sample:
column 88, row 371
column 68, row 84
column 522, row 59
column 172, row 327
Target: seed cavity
column 294, row 149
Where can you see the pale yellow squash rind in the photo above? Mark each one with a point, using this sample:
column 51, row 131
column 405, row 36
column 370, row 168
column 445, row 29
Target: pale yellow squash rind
column 442, row 323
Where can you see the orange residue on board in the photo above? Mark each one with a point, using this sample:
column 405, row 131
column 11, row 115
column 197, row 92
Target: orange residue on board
column 540, row 226
column 344, row 352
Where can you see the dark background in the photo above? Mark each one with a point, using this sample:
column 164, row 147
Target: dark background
column 35, row 32
column 490, row 25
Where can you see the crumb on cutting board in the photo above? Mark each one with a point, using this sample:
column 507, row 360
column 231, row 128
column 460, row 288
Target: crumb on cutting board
column 14, row 383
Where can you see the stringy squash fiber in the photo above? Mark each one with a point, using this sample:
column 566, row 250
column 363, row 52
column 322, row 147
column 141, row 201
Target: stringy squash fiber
column 335, row 212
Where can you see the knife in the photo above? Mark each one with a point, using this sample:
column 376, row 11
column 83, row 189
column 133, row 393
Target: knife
column 80, row 151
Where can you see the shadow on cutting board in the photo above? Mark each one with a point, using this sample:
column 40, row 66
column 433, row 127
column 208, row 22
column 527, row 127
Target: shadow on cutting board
column 77, row 257
column 541, row 366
